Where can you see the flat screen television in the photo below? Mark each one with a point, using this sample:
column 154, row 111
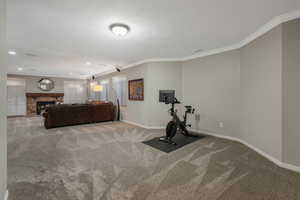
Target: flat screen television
column 163, row 94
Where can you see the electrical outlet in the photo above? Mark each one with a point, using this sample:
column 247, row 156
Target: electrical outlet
column 221, row 124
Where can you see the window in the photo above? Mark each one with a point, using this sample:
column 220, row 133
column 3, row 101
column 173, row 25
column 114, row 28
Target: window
column 92, row 94
column 16, row 99
column 104, row 93
column 75, row 92
column 119, row 86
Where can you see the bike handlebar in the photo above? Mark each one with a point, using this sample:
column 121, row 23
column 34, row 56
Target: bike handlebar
column 172, row 101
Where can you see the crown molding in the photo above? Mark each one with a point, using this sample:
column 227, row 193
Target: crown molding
column 49, row 76
column 152, row 60
column 276, row 21
column 269, row 26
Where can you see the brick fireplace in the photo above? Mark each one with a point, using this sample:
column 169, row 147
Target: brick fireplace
column 33, row 98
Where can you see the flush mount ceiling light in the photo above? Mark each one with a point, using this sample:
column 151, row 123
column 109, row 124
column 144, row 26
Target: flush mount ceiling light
column 20, row 69
column 119, row 29
column 88, row 63
column 12, row 53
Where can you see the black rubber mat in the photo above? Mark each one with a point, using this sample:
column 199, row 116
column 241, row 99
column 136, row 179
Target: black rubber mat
column 180, row 140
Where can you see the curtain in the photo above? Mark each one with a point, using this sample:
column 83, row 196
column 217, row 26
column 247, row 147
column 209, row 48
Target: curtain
column 75, row 92
column 120, row 88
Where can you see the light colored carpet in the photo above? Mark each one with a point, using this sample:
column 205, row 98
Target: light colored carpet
column 107, row 161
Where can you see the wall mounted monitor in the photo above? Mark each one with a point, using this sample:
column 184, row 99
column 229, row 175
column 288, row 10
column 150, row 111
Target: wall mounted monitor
column 163, row 94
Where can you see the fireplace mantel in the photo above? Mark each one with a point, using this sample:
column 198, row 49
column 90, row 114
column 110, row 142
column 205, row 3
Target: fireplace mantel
column 45, row 95
column 33, row 98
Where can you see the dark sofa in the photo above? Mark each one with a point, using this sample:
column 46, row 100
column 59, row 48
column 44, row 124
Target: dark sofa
column 67, row 114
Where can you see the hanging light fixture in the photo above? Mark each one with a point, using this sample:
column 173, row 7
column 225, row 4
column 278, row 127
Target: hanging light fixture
column 97, row 88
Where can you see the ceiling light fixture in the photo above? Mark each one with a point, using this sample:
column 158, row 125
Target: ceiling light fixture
column 12, row 53
column 88, row 63
column 98, row 88
column 119, row 29
column 20, row 69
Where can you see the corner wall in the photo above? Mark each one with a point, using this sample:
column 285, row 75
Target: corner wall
column 157, row 76
column 291, row 92
column 261, row 91
column 250, row 94
column 238, row 93
column 212, row 85
column 134, row 111
column 3, row 140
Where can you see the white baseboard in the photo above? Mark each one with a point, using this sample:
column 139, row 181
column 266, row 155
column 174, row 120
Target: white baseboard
column 214, row 134
column 261, row 152
column 6, row 195
column 290, row 167
column 264, row 154
column 143, row 126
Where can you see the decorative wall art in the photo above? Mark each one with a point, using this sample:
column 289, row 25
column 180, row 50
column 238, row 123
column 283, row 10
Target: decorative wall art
column 45, row 84
column 136, row 90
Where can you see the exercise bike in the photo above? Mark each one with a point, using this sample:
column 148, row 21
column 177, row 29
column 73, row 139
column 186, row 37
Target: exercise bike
column 176, row 124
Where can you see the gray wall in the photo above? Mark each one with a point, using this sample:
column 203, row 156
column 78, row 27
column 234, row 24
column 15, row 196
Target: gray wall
column 212, row 85
column 134, row 111
column 162, row 76
column 253, row 91
column 3, row 140
column 291, row 92
column 150, row 113
column 242, row 89
column 31, row 83
column 261, row 91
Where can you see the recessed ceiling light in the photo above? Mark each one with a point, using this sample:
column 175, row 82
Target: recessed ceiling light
column 12, row 53
column 30, row 55
column 20, row 69
column 119, row 29
column 88, row 63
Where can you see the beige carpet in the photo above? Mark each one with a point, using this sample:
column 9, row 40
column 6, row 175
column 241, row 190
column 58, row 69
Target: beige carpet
column 108, row 162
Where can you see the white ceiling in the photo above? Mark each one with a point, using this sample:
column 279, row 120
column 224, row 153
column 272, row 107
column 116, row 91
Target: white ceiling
column 63, row 35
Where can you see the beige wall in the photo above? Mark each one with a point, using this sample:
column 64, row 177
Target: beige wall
column 3, row 140
column 261, row 106
column 291, row 92
column 212, row 85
